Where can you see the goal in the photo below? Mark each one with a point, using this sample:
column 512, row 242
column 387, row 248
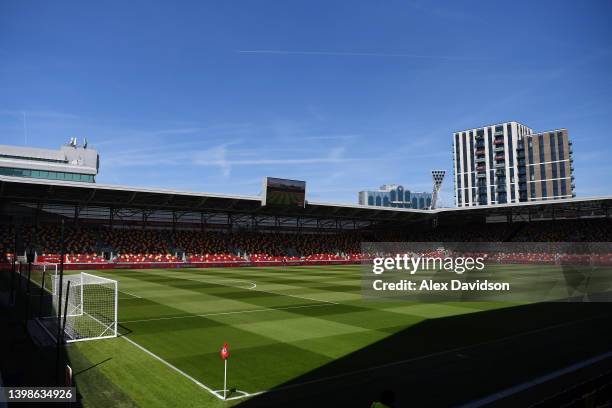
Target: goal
column 50, row 268
column 89, row 303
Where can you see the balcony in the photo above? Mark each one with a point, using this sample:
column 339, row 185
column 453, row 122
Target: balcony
column 480, row 160
column 481, row 175
column 498, row 142
column 480, row 168
column 500, row 157
column 498, row 133
column 499, row 149
column 500, row 165
column 480, row 151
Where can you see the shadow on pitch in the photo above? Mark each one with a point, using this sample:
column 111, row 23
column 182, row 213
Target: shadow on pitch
column 454, row 360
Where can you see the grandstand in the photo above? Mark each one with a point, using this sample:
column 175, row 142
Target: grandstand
column 108, row 225
column 281, row 282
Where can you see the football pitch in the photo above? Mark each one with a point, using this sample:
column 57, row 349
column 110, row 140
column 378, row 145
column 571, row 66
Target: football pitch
column 281, row 323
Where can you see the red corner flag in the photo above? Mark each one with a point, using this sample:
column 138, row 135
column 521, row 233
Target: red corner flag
column 225, row 352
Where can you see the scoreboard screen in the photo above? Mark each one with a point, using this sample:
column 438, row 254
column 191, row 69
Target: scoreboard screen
column 283, row 192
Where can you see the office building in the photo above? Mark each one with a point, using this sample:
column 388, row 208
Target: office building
column 394, row 195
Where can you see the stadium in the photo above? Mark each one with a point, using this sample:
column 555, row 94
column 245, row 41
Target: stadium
column 305, row 204
column 176, row 275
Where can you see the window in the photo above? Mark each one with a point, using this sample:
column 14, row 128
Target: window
column 560, row 142
column 42, row 174
column 378, row 201
column 554, row 165
column 457, row 155
column 510, row 149
column 370, row 200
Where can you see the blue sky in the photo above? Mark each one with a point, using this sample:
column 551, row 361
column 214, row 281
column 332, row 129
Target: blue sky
column 347, row 95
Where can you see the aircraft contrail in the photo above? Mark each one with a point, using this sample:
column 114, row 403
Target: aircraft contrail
column 355, row 54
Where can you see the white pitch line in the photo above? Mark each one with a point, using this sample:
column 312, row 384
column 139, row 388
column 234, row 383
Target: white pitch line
column 490, row 399
column 267, row 309
column 437, row 353
column 257, row 290
column 131, row 294
column 368, row 369
column 253, row 284
column 184, row 374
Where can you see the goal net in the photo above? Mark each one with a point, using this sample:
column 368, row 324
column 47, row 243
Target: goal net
column 90, row 305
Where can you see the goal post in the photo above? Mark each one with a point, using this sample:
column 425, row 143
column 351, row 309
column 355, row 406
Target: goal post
column 43, row 270
column 90, row 307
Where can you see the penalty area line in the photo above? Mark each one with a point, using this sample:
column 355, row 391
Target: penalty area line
column 190, row 378
column 267, row 309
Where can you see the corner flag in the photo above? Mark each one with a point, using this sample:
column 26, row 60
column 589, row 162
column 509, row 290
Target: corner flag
column 224, row 353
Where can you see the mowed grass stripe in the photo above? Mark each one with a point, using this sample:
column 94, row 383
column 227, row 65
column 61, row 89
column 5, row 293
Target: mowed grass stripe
column 273, row 338
column 198, row 296
column 323, row 291
column 295, row 326
column 268, row 290
column 194, row 349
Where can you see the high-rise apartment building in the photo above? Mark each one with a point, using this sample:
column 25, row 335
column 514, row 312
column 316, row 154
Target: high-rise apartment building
column 509, row 163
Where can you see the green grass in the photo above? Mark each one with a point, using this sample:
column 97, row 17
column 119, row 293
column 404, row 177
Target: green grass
column 293, row 321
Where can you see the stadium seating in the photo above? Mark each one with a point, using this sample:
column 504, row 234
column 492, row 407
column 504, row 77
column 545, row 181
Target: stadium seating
column 85, row 244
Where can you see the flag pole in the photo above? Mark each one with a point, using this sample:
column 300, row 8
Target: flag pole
column 225, row 382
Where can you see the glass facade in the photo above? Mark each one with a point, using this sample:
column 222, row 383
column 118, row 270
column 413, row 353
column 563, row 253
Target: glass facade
column 395, row 196
column 48, row 175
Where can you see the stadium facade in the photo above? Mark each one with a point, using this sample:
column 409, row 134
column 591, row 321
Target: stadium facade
column 395, row 196
column 70, row 163
column 510, row 163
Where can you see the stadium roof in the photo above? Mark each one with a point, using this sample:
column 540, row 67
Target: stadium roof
column 16, row 189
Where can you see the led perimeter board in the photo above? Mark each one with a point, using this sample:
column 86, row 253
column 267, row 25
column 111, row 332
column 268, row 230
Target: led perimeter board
column 283, row 192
